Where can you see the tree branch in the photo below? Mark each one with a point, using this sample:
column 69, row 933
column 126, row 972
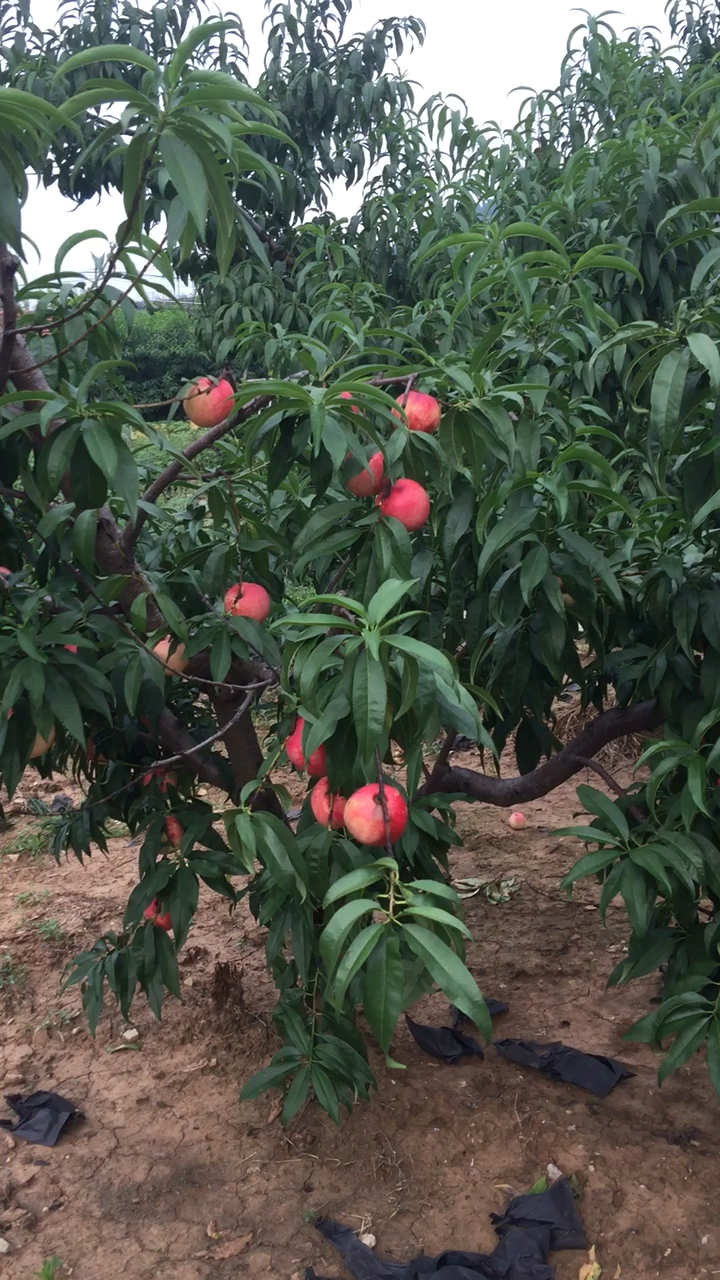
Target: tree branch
column 8, row 267
column 107, row 275
column 174, row 470
column 101, row 319
column 572, row 759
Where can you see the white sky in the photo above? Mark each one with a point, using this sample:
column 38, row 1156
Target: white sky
column 478, row 49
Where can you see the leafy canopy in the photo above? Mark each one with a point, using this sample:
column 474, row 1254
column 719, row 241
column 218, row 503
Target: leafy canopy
column 555, row 288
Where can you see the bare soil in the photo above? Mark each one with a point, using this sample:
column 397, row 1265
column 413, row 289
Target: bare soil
column 170, row 1176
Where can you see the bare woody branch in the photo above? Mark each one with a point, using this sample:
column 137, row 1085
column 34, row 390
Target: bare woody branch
column 175, row 469
column 572, row 759
column 8, row 267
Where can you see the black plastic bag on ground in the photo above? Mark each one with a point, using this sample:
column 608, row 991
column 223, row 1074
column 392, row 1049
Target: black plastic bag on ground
column 530, row 1226
column 450, row 1044
column 446, row 1043
column 41, row 1117
column 552, row 1211
column 518, row 1256
column 590, row 1071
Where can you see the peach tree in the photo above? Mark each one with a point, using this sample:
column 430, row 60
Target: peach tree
column 448, row 456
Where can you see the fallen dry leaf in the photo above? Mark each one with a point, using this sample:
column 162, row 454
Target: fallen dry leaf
column 212, row 1231
column 276, row 1107
column 230, row 1249
column 233, row 1247
column 590, row 1270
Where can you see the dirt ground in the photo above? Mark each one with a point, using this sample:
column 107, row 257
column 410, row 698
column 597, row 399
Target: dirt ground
column 170, row 1176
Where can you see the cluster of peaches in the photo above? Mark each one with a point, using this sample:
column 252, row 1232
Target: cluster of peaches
column 209, row 403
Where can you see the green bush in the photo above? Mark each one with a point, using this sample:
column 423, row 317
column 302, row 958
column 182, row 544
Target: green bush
column 164, row 351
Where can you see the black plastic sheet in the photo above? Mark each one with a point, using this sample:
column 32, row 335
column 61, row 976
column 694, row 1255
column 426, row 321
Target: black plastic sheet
column 447, row 1043
column 590, row 1071
column 42, row 1117
column 450, row 1044
column 530, row 1227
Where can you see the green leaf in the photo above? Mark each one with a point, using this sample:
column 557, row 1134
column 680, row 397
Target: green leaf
column 188, row 177
column 383, row 987
column 296, row 1095
column 83, row 539
column 358, row 879
column 325, row 1092
column 436, row 914
column 386, row 598
column 220, row 656
column 425, row 653
column 533, row 569
column 107, row 53
column 334, row 935
column 587, row 554
column 686, row 1043
column 706, row 353
column 71, row 243
column 369, row 702
column 509, row 529
column 450, row 974
column 277, row 846
column 667, row 393
column 639, row 894
column 591, row 863
column 10, row 228
column 458, row 519
column 353, row 961
column 269, row 1077
column 601, row 806
column 63, row 703
column 132, row 683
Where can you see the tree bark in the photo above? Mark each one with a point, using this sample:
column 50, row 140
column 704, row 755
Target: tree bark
column 573, row 758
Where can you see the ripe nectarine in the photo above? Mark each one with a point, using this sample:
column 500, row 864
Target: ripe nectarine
column 174, row 661
column 365, row 484
column 161, row 921
column 209, row 403
column 320, row 798
column 173, row 830
column 407, row 502
column 422, row 412
column 364, row 817
column 247, row 600
column 294, row 748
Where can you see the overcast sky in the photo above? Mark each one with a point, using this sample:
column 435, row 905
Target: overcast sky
column 479, row 49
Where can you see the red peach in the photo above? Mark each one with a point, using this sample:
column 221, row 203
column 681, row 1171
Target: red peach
column 160, row 921
column 294, row 748
column 166, row 779
column 422, row 412
column 320, row 801
column 171, row 661
column 347, row 395
column 365, row 484
column 407, row 502
column 364, row 817
column 40, row 745
column 247, row 600
column 517, row 821
column 209, row 403
column 173, row 830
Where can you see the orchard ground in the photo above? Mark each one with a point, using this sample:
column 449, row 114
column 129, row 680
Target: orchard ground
column 170, row 1177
